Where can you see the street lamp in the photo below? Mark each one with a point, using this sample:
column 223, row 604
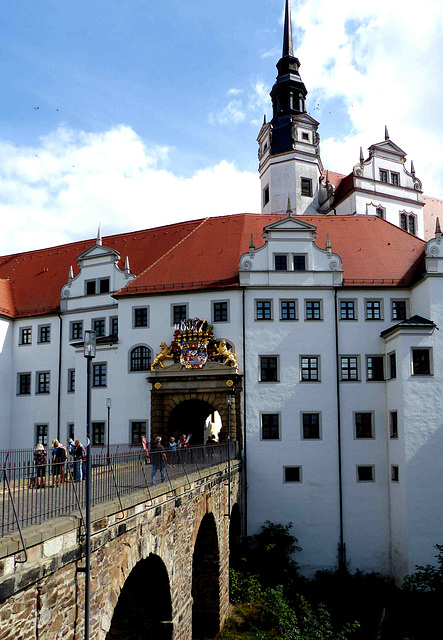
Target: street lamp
column 108, row 406
column 89, row 353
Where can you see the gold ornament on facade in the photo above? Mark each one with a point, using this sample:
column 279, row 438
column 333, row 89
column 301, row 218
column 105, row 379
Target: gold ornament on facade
column 158, row 385
column 223, row 351
column 165, row 354
column 229, row 383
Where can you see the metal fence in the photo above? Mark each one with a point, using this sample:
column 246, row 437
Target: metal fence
column 27, row 501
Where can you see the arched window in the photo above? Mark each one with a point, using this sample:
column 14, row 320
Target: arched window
column 140, row 359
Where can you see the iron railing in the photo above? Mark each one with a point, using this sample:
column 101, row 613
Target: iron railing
column 24, row 503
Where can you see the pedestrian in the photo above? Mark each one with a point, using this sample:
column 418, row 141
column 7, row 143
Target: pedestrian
column 158, row 459
column 40, row 458
column 58, row 462
column 172, row 446
column 79, row 454
column 71, row 446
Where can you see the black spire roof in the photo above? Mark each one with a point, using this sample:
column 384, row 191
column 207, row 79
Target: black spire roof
column 288, row 93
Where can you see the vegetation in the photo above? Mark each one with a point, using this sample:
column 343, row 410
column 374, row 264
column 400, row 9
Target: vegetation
column 273, row 602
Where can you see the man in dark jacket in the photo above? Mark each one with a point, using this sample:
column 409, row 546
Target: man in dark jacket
column 158, row 460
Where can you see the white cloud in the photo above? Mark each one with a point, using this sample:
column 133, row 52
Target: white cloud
column 233, row 113
column 234, row 92
column 60, row 190
column 382, row 59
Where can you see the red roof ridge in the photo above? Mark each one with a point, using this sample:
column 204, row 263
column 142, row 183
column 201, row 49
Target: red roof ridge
column 168, row 252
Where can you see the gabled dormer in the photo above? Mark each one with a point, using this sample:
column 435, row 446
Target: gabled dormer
column 98, row 277
column 290, row 257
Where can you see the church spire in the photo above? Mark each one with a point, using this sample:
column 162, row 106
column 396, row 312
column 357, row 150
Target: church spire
column 288, row 47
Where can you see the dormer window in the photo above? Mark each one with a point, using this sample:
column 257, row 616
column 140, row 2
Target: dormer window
column 305, row 136
column 306, row 187
column 395, row 178
column 299, row 263
column 281, row 263
column 379, row 212
column 96, row 286
column 383, row 175
column 407, row 223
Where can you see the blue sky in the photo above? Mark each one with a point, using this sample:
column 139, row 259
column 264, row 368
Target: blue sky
column 134, row 113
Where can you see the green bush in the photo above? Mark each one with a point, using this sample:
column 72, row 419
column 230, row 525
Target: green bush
column 427, row 578
column 243, row 587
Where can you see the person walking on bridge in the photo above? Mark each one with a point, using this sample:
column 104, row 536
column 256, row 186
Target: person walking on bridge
column 158, row 460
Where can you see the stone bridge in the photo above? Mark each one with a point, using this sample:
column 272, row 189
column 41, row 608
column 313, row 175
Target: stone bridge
column 159, row 567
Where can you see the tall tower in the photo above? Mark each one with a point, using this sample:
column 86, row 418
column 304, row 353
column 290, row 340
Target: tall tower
column 289, row 155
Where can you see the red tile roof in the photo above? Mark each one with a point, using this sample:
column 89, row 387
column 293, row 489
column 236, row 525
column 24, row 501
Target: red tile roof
column 203, row 254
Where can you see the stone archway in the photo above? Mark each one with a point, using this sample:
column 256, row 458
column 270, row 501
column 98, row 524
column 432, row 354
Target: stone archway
column 206, row 581
column 174, row 386
column 144, row 608
column 189, row 417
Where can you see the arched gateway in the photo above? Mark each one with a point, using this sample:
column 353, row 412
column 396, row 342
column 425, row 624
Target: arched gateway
column 194, row 376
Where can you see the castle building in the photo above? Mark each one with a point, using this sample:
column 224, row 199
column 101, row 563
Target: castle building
column 312, row 328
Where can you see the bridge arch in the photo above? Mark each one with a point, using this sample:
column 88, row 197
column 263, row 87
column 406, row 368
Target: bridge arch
column 235, row 536
column 144, row 607
column 206, row 580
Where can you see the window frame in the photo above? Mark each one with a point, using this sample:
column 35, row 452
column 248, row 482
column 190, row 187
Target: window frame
column 100, row 375
column 392, row 370
column 348, row 301
column 395, row 475
column 101, row 440
column 276, row 368
column 140, row 317
column 394, row 175
column 394, row 312
column 71, row 380
column 262, row 301
column 383, row 175
column 20, row 375
column 306, row 187
column 42, row 385
column 74, row 325
column 297, row 256
column 113, row 324
column 349, row 368
column 371, row 301
column 430, row 370
column 310, row 369
column 174, row 306
column 393, row 425
column 284, row 258
column 297, row 467
column 372, row 368
column 135, row 442
column 366, row 466
column 319, row 425
column 266, row 195
column 288, row 301
column 44, row 330
column 309, row 301
column 25, row 336
column 142, row 358
column 371, row 414
column 214, row 303
column 275, row 414
column 41, row 431
column 95, row 322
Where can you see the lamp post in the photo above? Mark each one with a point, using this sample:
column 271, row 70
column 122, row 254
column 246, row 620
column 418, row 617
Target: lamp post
column 229, row 402
column 89, row 353
column 108, row 406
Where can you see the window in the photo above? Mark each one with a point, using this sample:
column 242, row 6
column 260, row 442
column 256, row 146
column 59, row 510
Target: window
column 383, row 175
column 398, row 309
column 304, row 136
column 141, row 317
column 407, row 222
column 270, row 427
column 71, row 380
column 347, row 310
column 138, row 429
column 43, row 382
column 263, row 310
column 41, row 434
column 373, row 310
column 268, row 369
column 25, row 335
column 393, row 425
column 309, row 369
column 265, row 196
column 220, row 311
column 395, row 178
column 375, row 368
column 421, row 362
column 90, row 287
column 394, row 473
column 99, row 375
column 306, row 187
column 24, row 384
column 299, row 263
column 365, row 473
column 71, row 430
column 292, row 474
column 310, row 426
column 103, row 285
column 44, row 333
column 392, row 366
column 349, row 368
column 113, row 326
column 288, row 309
column 179, row 313
column 281, row 263
column 379, row 212
column 363, row 425
column 76, row 330
column 98, row 433
column 140, row 359
column 313, row 310
column 99, row 326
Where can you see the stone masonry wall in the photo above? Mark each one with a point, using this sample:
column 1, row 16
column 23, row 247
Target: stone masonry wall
column 44, row 597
